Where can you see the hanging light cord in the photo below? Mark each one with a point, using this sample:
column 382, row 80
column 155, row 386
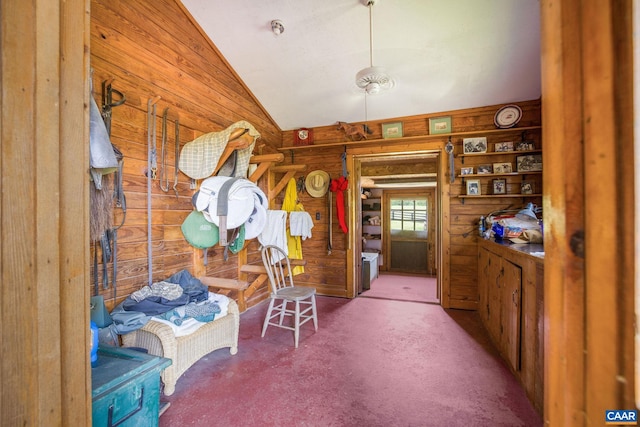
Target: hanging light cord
column 369, row 5
column 370, row 35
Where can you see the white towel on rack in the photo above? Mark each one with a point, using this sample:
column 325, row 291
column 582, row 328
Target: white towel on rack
column 300, row 224
column 275, row 230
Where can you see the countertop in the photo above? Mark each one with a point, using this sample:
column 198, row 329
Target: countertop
column 532, row 249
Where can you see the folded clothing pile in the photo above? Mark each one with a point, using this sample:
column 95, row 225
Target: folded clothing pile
column 156, row 299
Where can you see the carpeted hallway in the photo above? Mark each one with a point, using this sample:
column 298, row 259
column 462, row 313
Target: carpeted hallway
column 373, row 362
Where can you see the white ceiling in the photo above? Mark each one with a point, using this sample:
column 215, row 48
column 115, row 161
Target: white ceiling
column 443, row 54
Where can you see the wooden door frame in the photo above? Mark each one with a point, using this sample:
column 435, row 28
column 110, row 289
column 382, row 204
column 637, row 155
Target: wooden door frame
column 589, row 208
column 442, row 205
column 44, row 131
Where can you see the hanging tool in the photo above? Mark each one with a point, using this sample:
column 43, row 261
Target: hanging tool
column 151, row 174
column 152, row 137
column 449, row 149
column 108, row 103
column 164, row 178
column 177, row 157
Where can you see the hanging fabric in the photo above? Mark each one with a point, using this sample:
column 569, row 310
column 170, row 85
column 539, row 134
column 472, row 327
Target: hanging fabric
column 290, row 204
column 338, row 186
column 330, row 242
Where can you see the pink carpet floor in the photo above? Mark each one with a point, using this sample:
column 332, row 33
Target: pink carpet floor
column 373, row 362
column 403, row 287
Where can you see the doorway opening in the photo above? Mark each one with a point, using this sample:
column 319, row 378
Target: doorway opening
column 398, row 208
column 411, row 232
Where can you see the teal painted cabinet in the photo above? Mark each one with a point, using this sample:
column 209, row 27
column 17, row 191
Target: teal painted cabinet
column 126, row 388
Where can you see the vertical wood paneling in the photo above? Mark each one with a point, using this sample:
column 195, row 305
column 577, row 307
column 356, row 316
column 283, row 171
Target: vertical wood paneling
column 563, row 204
column 587, row 111
column 458, row 221
column 47, row 173
column 45, row 369
column 152, row 48
column 74, row 203
column 19, row 342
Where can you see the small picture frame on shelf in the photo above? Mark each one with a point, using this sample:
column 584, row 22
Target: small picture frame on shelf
column 525, row 146
column 503, row 147
column 438, row 125
column 485, row 169
column 527, row 187
column 473, row 187
column 466, row 171
column 392, row 130
column 529, row 163
column 500, row 186
column 474, row 145
column 502, row 168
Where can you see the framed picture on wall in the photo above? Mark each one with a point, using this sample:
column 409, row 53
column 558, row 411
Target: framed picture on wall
column 474, row 145
column 525, row 146
column 439, row 125
column 529, row 163
column 392, row 130
column 485, row 169
column 501, row 147
column 527, row 187
column 466, row 171
column 500, row 186
column 502, row 168
column 473, row 187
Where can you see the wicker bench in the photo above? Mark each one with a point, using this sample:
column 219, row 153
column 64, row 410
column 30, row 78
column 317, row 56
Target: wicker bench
column 184, row 351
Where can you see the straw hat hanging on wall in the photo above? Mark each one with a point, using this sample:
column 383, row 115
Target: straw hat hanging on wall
column 317, row 183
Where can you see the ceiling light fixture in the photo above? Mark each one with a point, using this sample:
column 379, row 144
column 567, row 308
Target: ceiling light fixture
column 277, row 27
column 373, row 79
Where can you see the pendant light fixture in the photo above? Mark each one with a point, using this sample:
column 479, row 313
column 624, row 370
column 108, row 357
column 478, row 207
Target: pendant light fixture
column 373, row 79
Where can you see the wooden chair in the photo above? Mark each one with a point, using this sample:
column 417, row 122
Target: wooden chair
column 284, row 292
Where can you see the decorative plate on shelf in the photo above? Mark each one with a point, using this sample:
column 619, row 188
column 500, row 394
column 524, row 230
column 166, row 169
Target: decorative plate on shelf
column 507, row 116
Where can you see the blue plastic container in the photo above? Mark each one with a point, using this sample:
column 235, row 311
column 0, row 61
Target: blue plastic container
column 94, row 343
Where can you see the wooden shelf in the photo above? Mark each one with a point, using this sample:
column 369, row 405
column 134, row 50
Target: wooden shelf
column 495, row 196
column 405, row 139
column 489, row 175
column 499, row 153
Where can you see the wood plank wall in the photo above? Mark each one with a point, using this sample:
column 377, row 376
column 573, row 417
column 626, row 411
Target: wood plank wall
column 462, row 287
column 150, row 49
column 45, row 368
column 591, row 261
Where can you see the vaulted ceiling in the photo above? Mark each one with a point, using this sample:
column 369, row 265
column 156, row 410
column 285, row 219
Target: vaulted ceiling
column 442, row 54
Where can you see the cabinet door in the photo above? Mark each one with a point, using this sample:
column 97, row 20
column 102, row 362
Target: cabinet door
column 483, row 284
column 494, row 277
column 511, row 314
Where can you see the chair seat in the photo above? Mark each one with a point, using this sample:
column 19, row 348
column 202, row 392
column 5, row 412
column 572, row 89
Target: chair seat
column 296, row 293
